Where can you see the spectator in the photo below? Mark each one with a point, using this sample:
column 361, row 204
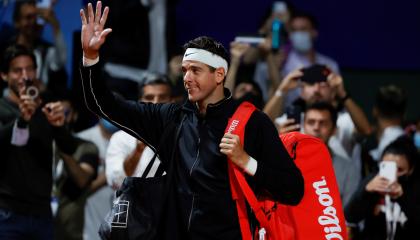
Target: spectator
column 320, row 121
column 50, row 58
column 388, row 111
column 127, row 156
column 245, row 89
column 269, row 61
column 390, row 210
column 328, row 88
column 303, row 33
column 27, row 133
column 100, row 194
column 73, row 174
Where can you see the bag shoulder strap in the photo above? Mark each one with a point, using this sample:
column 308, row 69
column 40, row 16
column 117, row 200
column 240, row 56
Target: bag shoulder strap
column 241, row 191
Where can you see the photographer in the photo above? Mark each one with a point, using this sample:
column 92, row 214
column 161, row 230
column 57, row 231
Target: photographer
column 319, row 83
column 27, row 133
column 390, row 209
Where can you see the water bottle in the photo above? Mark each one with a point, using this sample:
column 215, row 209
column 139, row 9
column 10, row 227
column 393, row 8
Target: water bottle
column 275, row 34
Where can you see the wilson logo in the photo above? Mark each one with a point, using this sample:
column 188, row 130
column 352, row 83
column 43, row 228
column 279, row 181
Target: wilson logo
column 233, row 126
column 329, row 219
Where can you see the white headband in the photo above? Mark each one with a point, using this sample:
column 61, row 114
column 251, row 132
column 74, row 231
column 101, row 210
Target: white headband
column 206, row 57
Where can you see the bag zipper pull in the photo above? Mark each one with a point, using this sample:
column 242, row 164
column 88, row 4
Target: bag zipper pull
column 262, row 233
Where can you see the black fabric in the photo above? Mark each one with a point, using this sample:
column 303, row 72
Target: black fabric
column 363, row 205
column 26, row 171
column 140, row 206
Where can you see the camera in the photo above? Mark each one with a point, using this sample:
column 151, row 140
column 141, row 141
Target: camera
column 30, row 89
column 315, row 73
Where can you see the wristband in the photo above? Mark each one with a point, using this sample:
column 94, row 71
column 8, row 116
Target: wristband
column 278, row 93
column 251, row 166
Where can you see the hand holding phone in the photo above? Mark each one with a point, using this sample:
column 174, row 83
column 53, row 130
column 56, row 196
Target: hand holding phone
column 294, row 112
column 42, row 4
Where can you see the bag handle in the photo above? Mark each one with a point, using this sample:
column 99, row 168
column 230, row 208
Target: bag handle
column 241, row 191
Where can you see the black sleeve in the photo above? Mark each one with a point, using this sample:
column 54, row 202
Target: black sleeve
column 276, row 171
column 144, row 121
column 362, row 203
column 92, row 160
column 65, row 140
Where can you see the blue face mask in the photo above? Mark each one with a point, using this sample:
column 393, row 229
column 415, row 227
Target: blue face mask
column 417, row 139
column 301, row 41
column 109, row 127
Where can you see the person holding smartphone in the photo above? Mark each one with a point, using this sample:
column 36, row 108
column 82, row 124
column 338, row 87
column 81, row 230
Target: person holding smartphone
column 390, row 209
column 50, row 56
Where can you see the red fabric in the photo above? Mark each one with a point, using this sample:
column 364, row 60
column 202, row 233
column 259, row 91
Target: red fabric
column 320, row 213
column 318, row 216
column 241, row 192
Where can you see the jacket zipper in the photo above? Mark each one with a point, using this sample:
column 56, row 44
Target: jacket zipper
column 191, row 212
column 191, row 170
column 196, row 158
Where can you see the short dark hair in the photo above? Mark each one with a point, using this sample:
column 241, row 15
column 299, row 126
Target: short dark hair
column 209, row 44
column 324, row 106
column 154, row 79
column 307, row 16
column 403, row 146
column 391, row 102
column 12, row 52
column 18, row 7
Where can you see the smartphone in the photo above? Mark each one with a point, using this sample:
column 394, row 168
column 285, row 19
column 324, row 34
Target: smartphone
column 294, row 112
column 42, row 4
column 315, row 73
column 388, row 170
column 252, row 40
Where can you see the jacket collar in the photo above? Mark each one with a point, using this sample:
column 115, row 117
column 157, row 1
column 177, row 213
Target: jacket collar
column 213, row 108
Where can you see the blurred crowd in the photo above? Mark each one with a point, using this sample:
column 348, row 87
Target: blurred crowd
column 61, row 164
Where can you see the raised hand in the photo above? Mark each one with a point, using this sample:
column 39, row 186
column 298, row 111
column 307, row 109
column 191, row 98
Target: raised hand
column 337, row 84
column 290, row 81
column 378, row 184
column 54, row 111
column 238, row 49
column 93, row 32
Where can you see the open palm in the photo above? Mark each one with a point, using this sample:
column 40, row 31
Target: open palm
column 93, row 32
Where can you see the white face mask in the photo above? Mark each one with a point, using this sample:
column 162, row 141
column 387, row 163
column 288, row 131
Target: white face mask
column 301, row 41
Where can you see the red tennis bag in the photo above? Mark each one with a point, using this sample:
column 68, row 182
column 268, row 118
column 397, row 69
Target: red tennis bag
column 319, row 215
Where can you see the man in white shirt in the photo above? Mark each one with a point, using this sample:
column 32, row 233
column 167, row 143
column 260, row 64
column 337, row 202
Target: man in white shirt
column 127, row 156
column 388, row 111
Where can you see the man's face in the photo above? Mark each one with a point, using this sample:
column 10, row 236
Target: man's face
column 318, row 123
column 303, row 25
column 199, row 81
column 156, row 93
column 320, row 91
column 20, row 69
column 27, row 20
